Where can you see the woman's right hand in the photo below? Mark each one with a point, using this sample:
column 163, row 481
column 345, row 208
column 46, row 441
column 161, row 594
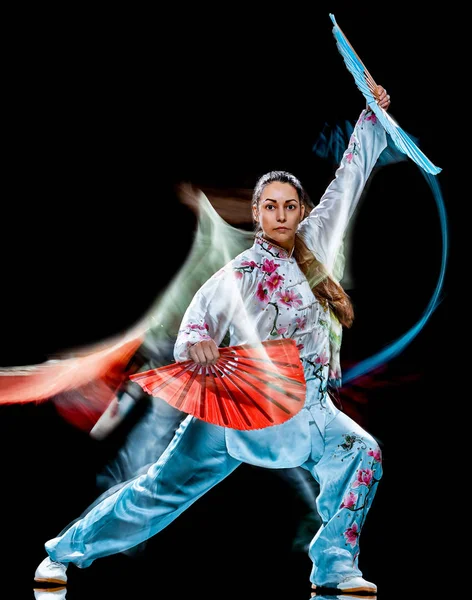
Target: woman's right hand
column 204, row 353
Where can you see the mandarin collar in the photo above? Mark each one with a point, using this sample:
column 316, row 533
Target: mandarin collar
column 272, row 249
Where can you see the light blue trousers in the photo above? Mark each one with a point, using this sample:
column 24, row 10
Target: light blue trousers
column 197, row 459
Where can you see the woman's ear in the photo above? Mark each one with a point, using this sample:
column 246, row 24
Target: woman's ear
column 255, row 214
column 302, row 212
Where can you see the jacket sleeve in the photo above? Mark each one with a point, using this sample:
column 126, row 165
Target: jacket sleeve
column 210, row 313
column 324, row 228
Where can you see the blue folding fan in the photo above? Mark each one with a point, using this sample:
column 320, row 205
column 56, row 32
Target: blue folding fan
column 367, row 86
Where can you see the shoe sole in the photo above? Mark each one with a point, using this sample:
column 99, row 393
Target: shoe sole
column 46, row 580
column 52, row 589
column 355, row 590
column 368, row 596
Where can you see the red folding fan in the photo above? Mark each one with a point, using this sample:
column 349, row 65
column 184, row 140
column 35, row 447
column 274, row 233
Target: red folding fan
column 251, row 386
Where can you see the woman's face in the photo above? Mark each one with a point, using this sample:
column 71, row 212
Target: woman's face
column 278, row 213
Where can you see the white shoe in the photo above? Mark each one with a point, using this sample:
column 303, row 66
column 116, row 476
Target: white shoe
column 51, row 572
column 357, row 584
column 353, row 586
column 54, row 594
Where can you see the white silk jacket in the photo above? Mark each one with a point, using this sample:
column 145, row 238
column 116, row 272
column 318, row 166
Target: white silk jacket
column 263, row 295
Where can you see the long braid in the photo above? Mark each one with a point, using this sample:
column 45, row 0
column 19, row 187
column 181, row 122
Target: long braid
column 326, row 290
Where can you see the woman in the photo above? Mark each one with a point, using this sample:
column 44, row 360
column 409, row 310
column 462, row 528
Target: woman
column 280, row 287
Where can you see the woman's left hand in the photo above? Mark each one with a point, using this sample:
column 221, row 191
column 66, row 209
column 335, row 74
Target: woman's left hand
column 383, row 99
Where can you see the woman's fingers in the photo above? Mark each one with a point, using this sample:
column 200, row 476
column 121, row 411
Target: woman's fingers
column 204, row 353
column 382, row 97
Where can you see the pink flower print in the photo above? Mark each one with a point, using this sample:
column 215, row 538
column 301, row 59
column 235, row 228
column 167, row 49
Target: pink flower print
column 282, row 330
column 274, row 281
column 376, row 454
column 238, row 274
column 262, row 293
column 301, row 323
column 349, row 157
column 322, row 359
column 349, row 501
column 364, row 477
column 289, row 298
column 300, row 347
column 269, row 266
column 198, row 327
column 371, row 117
column 202, row 331
column 249, row 263
column 351, row 534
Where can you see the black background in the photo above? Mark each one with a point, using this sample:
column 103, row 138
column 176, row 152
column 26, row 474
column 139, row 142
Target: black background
column 106, row 113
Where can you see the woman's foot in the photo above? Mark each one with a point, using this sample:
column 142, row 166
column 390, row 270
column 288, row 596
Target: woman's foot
column 353, row 585
column 50, row 571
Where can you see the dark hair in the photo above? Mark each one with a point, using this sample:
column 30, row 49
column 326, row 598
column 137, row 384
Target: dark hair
column 327, row 291
column 280, row 177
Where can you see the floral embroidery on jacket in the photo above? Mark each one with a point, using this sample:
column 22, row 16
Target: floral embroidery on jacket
column 269, row 290
column 195, row 328
column 354, row 146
